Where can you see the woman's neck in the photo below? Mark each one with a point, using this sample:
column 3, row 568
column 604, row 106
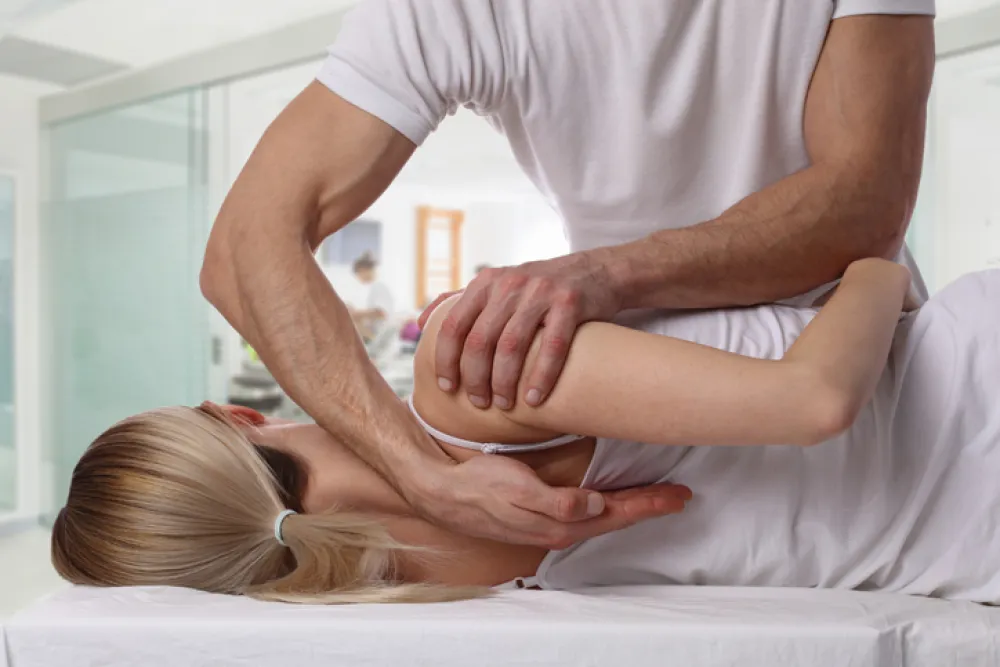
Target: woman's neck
column 336, row 477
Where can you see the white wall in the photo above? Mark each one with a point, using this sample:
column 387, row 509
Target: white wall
column 503, row 231
column 508, row 233
column 951, row 8
column 963, row 231
column 466, row 165
column 19, row 155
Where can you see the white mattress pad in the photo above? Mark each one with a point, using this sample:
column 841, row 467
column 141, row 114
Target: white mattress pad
column 637, row 627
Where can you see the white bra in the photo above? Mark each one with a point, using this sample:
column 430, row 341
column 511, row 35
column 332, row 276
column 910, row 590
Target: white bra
column 490, row 447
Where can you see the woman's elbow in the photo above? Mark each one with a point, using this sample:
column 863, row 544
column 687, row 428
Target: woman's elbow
column 830, row 412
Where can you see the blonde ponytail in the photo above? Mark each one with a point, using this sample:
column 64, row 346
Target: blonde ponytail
column 346, row 558
column 179, row 497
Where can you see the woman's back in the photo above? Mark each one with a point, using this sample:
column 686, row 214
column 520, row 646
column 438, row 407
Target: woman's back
column 899, row 502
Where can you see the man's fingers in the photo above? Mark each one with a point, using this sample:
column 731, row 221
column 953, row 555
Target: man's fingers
column 634, row 505
column 624, row 511
column 666, row 489
column 560, row 326
column 564, row 504
column 476, row 365
column 511, row 350
column 429, row 310
column 451, row 339
column 551, row 516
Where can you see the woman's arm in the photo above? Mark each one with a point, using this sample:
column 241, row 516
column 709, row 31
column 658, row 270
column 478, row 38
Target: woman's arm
column 631, row 385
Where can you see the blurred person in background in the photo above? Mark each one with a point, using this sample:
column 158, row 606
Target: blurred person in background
column 378, row 306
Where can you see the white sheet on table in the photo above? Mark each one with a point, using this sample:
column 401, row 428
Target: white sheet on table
column 613, row 626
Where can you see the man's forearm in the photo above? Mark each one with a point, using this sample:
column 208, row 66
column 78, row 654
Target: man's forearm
column 272, row 291
column 303, row 182
column 783, row 241
column 864, row 125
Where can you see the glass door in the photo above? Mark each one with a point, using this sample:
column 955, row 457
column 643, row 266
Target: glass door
column 125, row 233
column 8, row 450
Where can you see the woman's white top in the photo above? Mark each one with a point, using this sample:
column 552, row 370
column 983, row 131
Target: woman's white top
column 908, row 500
column 488, row 447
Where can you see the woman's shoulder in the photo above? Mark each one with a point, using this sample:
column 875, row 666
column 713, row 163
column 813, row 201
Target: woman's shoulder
column 452, row 413
column 423, row 362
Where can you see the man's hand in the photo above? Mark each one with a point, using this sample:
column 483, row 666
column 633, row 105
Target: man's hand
column 503, row 499
column 486, row 336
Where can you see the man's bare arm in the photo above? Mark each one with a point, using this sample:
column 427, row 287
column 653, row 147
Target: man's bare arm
column 319, row 166
column 864, row 125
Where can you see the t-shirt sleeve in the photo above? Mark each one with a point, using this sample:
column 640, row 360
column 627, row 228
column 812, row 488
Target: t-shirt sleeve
column 842, row 8
column 413, row 62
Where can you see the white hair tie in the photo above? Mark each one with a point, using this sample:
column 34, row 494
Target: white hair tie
column 277, row 525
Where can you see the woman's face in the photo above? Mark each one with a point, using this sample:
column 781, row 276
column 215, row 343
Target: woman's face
column 335, row 475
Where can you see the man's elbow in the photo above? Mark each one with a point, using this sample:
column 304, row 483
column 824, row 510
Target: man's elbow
column 883, row 197
column 212, row 279
column 886, row 222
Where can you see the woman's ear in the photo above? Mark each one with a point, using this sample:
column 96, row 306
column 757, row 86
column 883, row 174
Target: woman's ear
column 241, row 414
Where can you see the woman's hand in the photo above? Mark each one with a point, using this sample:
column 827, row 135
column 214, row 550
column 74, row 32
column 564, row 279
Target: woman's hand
column 502, row 499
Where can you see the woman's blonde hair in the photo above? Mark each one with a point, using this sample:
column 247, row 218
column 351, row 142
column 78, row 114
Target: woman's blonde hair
column 180, row 497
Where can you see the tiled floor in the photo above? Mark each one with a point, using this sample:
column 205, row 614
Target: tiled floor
column 26, row 572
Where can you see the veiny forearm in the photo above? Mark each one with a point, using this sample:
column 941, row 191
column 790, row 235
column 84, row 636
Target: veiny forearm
column 864, row 125
column 783, row 241
column 280, row 301
column 301, row 185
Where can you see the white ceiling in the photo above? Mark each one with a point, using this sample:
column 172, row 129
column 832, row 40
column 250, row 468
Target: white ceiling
column 139, row 33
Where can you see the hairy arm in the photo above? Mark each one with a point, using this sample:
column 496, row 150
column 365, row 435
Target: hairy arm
column 631, row 385
column 864, row 129
column 318, row 167
column 864, row 126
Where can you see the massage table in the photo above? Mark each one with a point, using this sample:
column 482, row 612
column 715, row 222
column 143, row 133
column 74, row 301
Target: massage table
column 616, row 627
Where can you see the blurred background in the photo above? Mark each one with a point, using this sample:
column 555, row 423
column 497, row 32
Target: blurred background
column 122, row 126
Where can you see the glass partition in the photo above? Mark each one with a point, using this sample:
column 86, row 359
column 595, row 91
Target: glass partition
column 125, row 232
column 8, row 451
column 130, row 194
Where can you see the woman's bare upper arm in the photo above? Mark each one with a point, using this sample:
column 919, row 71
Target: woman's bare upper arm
column 452, row 412
column 632, row 385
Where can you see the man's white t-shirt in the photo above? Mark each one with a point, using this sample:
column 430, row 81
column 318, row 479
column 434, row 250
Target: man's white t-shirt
column 629, row 115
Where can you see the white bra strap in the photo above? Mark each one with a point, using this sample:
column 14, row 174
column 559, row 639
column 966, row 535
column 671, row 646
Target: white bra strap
column 488, row 447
